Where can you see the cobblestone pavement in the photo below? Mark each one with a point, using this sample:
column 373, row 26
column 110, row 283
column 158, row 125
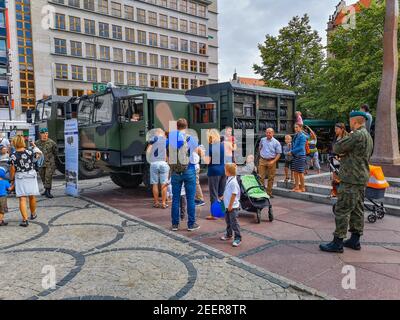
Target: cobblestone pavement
column 101, row 253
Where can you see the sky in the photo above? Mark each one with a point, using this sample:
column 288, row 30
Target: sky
column 243, row 24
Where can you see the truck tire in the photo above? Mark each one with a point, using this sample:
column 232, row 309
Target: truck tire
column 126, row 181
column 86, row 172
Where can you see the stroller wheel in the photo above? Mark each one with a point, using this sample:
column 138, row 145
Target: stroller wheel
column 270, row 215
column 381, row 212
column 372, row 218
column 258, row 216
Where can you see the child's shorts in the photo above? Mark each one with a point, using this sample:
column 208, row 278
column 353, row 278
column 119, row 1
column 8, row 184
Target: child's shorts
column 3, row 205
column 288, row 164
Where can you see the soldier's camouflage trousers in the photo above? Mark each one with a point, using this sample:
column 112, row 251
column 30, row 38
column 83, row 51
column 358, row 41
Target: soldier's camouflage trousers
column 46, row 174
column 349, row 210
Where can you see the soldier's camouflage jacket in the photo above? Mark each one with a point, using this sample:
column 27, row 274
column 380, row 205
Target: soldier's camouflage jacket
column 355, row 152
column 49, row 149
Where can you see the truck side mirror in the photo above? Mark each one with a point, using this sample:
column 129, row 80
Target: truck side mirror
column 29, row 115
column 68, row 111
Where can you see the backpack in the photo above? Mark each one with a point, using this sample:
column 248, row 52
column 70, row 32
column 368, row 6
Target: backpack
column 308, row 150
column 180, row 157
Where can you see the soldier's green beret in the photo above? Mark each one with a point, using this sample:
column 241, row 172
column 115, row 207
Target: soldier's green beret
column 358, row 114
column 44, row 130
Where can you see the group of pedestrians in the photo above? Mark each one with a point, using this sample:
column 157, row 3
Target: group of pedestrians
column 18, row 173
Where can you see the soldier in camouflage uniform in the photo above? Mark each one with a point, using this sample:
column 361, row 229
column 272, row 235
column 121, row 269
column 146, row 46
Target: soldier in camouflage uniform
column 49, row 149
column 355, row 152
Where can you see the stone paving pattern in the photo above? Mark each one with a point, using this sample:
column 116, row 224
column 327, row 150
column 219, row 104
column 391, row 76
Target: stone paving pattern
column 288, row 246
column 102, row 253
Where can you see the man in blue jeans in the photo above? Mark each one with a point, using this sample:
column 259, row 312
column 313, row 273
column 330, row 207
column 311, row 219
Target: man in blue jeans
column 183, row 173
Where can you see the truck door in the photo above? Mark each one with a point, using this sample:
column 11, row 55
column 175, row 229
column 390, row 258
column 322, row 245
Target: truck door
column 134, row 124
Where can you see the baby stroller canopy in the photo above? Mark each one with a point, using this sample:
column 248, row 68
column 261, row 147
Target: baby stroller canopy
column 377, row 179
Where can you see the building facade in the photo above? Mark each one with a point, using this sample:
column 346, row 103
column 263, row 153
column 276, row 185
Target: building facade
column 5, row 103
column 68, row 47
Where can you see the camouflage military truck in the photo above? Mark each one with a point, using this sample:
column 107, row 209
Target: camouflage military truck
column 51, row 113
column 113, row 126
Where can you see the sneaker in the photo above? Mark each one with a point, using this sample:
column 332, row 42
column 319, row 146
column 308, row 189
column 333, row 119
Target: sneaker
column 200, row 203
column 226, row 238
column 236, row 243
column 194, row 227
column 175, row 227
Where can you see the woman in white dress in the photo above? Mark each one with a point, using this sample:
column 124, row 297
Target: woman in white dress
column 25, row 177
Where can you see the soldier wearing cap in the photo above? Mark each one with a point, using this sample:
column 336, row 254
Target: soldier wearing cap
column 49, row 149
column 355, row 150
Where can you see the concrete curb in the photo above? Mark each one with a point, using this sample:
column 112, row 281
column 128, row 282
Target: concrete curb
column 272, row 277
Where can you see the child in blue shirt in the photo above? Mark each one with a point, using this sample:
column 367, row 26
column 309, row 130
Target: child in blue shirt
column 4, row 188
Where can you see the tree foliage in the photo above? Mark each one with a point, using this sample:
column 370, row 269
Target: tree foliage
column 291, row 59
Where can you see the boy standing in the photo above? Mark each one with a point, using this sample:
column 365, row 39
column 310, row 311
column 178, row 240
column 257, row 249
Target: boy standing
column 232, row 205
column 4, row 188
column 288, row 158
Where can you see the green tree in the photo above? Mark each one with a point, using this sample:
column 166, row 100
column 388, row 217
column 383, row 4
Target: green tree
column 291, row 59
column 353, row 72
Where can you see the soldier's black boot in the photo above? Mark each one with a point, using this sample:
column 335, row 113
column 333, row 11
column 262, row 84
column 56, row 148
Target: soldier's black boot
column 336, row 246
column 49, row 195
column 353, row 242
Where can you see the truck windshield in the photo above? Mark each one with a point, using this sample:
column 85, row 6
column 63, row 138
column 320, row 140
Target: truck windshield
column 45, row 107
column 86, row 108
column 103, row 109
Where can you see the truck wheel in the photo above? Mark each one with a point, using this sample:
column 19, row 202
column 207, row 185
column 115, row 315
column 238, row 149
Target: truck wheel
column 126, row 181
column 88, row 172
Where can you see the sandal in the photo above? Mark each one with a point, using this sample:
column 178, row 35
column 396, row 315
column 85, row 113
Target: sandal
column 24, row 224
column 3, row 223
column 33, row 217
column 156, row 205
column 164, row 206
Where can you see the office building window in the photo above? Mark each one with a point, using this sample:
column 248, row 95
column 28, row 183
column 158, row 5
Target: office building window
column 173, row 23
column 129, row 13
column 173, row 4
column 175, row 83
column 165, row 82
column 193, row 66
column 130, row 34
column 142, row 37
column 90, row 27
column 203, row 30
column 203, row 83
column 61, row 71
column 76, row 48
column 119, row 77
column 193, row 84
column 130, row 56
column 143, row 80
column 60, row 46
column 77, row 72
column 91, row 51
column 152, row 18
column 164, row 42
column 75, row 24
column 131, row 78
column 154, row 81
column 141, row 15
column 202, row 48
column 118, row 55
column 174, row 43
column 163, row 21
column 193, row 27
column 91, row 74
column 104, row 30
column 77, row 92
column 104, row 53
column 192, row 8
column 203, row 67
column 153, row 60
column 63, row 92
column 88, row 4
column 184, row 25
column 202, row 11
column 164, row 62
column 184, row 45
column 117, row 32
column 105, row 75
column 184, row 65
column 193, row 47
column 60, row 21
column 142, row 56
column 174, row 63
column 185, row 84
column 103, row 6
column 163, row 3
column 74, row 3
column 116, row 9
column 153, row 39
column 183, row 6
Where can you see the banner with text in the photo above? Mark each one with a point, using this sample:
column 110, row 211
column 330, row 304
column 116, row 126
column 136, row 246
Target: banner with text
column 71, row 157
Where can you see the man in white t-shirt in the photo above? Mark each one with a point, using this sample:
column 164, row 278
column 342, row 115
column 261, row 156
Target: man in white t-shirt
column 232, row 206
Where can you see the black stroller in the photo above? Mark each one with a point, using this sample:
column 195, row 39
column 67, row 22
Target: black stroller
column 374, row 196
column 254, row 197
